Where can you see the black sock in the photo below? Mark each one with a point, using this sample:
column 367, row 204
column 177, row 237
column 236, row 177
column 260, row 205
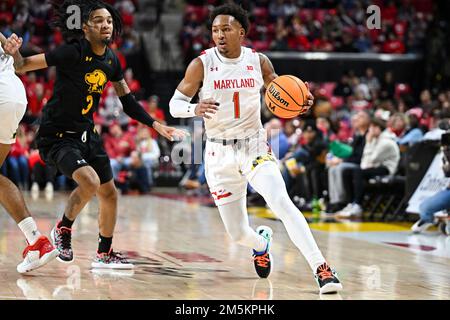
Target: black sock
column 65, row 222
column 104, row 244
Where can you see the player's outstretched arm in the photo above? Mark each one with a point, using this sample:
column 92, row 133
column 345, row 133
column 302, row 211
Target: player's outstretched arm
column 21, row 64
column 180, row 104
column 269, row 74
column 133, row 109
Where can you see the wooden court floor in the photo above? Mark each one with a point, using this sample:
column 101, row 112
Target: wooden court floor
column 181, row 251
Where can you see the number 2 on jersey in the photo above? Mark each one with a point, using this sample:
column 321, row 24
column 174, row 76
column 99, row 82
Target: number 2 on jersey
column 237, row 105
column 90, row 101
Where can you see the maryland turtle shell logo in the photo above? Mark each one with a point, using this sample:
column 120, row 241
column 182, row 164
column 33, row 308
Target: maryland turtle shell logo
column 96, row 81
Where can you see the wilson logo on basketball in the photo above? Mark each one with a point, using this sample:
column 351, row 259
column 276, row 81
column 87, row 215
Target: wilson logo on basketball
column 276, row 95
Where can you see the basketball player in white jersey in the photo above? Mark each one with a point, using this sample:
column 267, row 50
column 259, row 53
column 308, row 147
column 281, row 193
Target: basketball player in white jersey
column 13, row 103
column 229, row 78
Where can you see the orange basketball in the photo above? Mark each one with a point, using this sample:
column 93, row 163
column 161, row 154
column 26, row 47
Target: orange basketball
column 286, row 96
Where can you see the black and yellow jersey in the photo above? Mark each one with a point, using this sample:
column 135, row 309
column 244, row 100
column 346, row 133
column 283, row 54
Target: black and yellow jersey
column 81, row 77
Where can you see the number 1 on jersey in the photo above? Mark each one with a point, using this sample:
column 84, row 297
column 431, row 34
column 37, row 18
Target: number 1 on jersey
column 237, row 105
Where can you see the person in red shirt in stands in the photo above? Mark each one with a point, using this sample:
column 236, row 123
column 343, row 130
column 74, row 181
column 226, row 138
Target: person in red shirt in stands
column 17, row 160
column 155, row 112
column 37, row 100
column 133, row 84
column 393, row 45
column 118, row 145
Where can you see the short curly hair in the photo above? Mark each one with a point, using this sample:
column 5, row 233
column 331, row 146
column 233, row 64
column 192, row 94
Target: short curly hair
column 234, row 10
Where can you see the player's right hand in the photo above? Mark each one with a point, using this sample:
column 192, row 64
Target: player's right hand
column 13, row 44
column 205, row 107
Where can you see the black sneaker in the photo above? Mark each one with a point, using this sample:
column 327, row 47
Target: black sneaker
column 327, row 279
column 263, row 260
column 62, row 240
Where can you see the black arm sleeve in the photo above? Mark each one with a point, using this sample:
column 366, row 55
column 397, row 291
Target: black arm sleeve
column 65, row 55
column 133, row 109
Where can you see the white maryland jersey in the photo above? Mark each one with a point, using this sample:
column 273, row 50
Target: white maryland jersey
column 236, row 85
column 11, row 87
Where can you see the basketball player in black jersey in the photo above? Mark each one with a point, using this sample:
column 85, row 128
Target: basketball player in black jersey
column 67, row 138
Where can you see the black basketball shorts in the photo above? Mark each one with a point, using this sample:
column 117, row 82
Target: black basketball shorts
column 68, row 152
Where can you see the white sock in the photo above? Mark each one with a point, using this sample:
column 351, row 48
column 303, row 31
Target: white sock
column 29, row 229
column 235, row 218
column 269, row 183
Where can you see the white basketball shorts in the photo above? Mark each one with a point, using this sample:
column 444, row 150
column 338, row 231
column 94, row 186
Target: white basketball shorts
column 229, row 167
column 10, row 115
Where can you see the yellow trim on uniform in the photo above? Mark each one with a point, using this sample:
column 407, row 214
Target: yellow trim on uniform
column 343, row 226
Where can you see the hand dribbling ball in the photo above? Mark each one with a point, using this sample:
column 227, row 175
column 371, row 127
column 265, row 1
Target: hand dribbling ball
column 287, row 97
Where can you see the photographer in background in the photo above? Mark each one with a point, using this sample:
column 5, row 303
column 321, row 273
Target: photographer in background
column 441, row 200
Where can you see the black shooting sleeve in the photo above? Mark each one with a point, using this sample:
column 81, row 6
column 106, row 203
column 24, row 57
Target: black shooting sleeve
column 133, row 109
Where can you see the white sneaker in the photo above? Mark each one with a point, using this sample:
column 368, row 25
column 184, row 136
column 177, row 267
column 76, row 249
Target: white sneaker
column 34, row 191
column 37, row 255
column 420, row 226
column 356, row 210
column 347, row 211
column 49, row 191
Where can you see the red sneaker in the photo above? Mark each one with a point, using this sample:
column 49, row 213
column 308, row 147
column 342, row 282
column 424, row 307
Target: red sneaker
column 37, row 255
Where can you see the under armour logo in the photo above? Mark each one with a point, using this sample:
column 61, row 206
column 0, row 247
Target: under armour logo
column 88, row 58
column 214, row 69
column 250, row 68
column 82, row 161
column 34, row 232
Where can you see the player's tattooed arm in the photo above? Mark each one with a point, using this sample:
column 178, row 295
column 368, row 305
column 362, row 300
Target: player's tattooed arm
column 121, row 88
column 269, row 74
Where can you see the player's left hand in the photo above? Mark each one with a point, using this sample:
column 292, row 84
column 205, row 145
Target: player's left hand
column 12, row 45
column 170, row 133
column 309, row 101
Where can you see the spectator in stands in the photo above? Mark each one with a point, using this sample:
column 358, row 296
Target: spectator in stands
column 130, row 40
column 414, row 131
column 153, row 109
column 149, row 151
column 343, row 88
column 309, row 157
column 112, row 110
column 380, row 157
column 324, row 125
column 137, row 175
column 426, row 102
column 363, row 43
column 42, row 177
column 337, row 166
column 322, row 44
column 37, row 100
column 280, row 43
column 133, row 84
column 429, row 207
column 397, row 124
column 292, row 131
column 277, row 138
column 17, row 160
column 118, row 145
column 371, row 81
column 388, row 86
